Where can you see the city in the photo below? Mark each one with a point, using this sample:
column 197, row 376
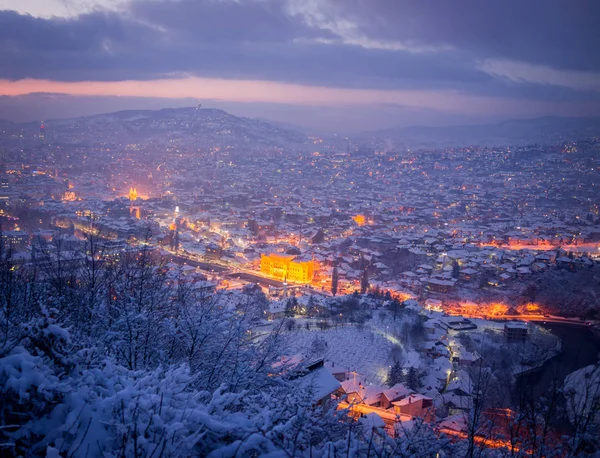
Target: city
column 250, row 228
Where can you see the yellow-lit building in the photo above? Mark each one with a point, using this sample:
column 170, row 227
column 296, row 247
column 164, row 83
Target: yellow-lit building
column 360, row 220
column 286, row 268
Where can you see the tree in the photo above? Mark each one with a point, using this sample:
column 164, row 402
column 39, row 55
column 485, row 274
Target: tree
column 455, row 269
column 289, row 309
column 530, row 292
column 364, row 281
column 484, row 279
column 318, row 347
column 395, row 374
column 395, row 307
column 311, row 306
column 413, row 379
column 334, row 280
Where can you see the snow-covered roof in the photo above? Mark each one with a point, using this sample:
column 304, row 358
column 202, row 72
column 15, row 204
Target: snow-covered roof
column 319, row 383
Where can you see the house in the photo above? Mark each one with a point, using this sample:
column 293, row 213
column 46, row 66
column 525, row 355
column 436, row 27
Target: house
column 439, row 286
column 353, row 389
column 395, row 393
column 317, row 381
column 433, row 305
column 416, row 405
column 463, row 357
column 457, row 397
column 457, row 422
column 276, row 310
column 457, row 323
column 337, row 371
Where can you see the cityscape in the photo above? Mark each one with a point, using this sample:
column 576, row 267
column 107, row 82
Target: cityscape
column 220, row 277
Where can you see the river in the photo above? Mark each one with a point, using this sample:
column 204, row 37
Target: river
column 580, row 348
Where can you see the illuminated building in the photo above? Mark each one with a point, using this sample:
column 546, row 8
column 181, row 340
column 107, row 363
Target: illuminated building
column 69, row 196
column 133, row 195
column 287, row 268
column 213, row 251
column 42, row 131
column 360, row 220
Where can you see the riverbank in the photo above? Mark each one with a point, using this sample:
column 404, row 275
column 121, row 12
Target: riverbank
column 580, row 348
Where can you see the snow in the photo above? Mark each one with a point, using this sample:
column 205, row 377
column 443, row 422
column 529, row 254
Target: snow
column 396, row 392
column 582, row 391
column 319, row 383
column 362, row 351
column 24, row 373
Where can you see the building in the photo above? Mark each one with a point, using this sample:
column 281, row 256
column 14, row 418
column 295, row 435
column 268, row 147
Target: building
column 133, row 194
column 416, row 405
column 14, row 239
column 213, row 252
column 287, row 268
column 516, row 331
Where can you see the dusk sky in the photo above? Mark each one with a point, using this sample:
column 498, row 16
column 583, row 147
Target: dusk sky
column 333, row 64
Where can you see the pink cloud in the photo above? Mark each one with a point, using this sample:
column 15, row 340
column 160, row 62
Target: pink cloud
column 275, row 92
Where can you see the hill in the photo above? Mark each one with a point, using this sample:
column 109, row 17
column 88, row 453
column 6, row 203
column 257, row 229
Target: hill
column 205, row 128
column 546, row 130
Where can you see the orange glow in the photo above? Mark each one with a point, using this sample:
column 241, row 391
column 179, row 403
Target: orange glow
column 491, row 309
column 530, row 307
column 360, row 220
column 69, row 196
column 133, row 195
column 496, row 309
column 542, row 245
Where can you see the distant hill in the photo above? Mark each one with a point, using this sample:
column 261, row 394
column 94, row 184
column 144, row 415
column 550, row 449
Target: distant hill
column 4, row 124
column 210, row 128
column 544, row 130
column 205, row 128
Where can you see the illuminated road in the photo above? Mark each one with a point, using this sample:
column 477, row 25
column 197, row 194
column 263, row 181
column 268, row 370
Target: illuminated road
column 209, row 267
column 388, row 416
column 480, row 440
column 580, row 248
column 531, row 317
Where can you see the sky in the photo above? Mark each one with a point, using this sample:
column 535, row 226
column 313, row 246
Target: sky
column 328, row 64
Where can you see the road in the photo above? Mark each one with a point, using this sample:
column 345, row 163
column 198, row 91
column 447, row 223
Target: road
column 254, row 278
column 388, row 416
column 545, row 319
column 209, row 267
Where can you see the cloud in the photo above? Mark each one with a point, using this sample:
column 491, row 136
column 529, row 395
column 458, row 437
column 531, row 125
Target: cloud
column 61, row 8
column 327, row 16
column 523, row 72
column 468, row 47
column 106, row 46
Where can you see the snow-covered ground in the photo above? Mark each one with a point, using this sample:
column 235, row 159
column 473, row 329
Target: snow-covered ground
column 582, row 391
column 364, row 351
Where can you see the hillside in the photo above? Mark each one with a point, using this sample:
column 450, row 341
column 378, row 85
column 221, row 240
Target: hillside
column 205, row 128
column 545, row 130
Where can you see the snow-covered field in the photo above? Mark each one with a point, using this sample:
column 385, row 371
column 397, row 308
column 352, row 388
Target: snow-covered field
column 362, row 351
